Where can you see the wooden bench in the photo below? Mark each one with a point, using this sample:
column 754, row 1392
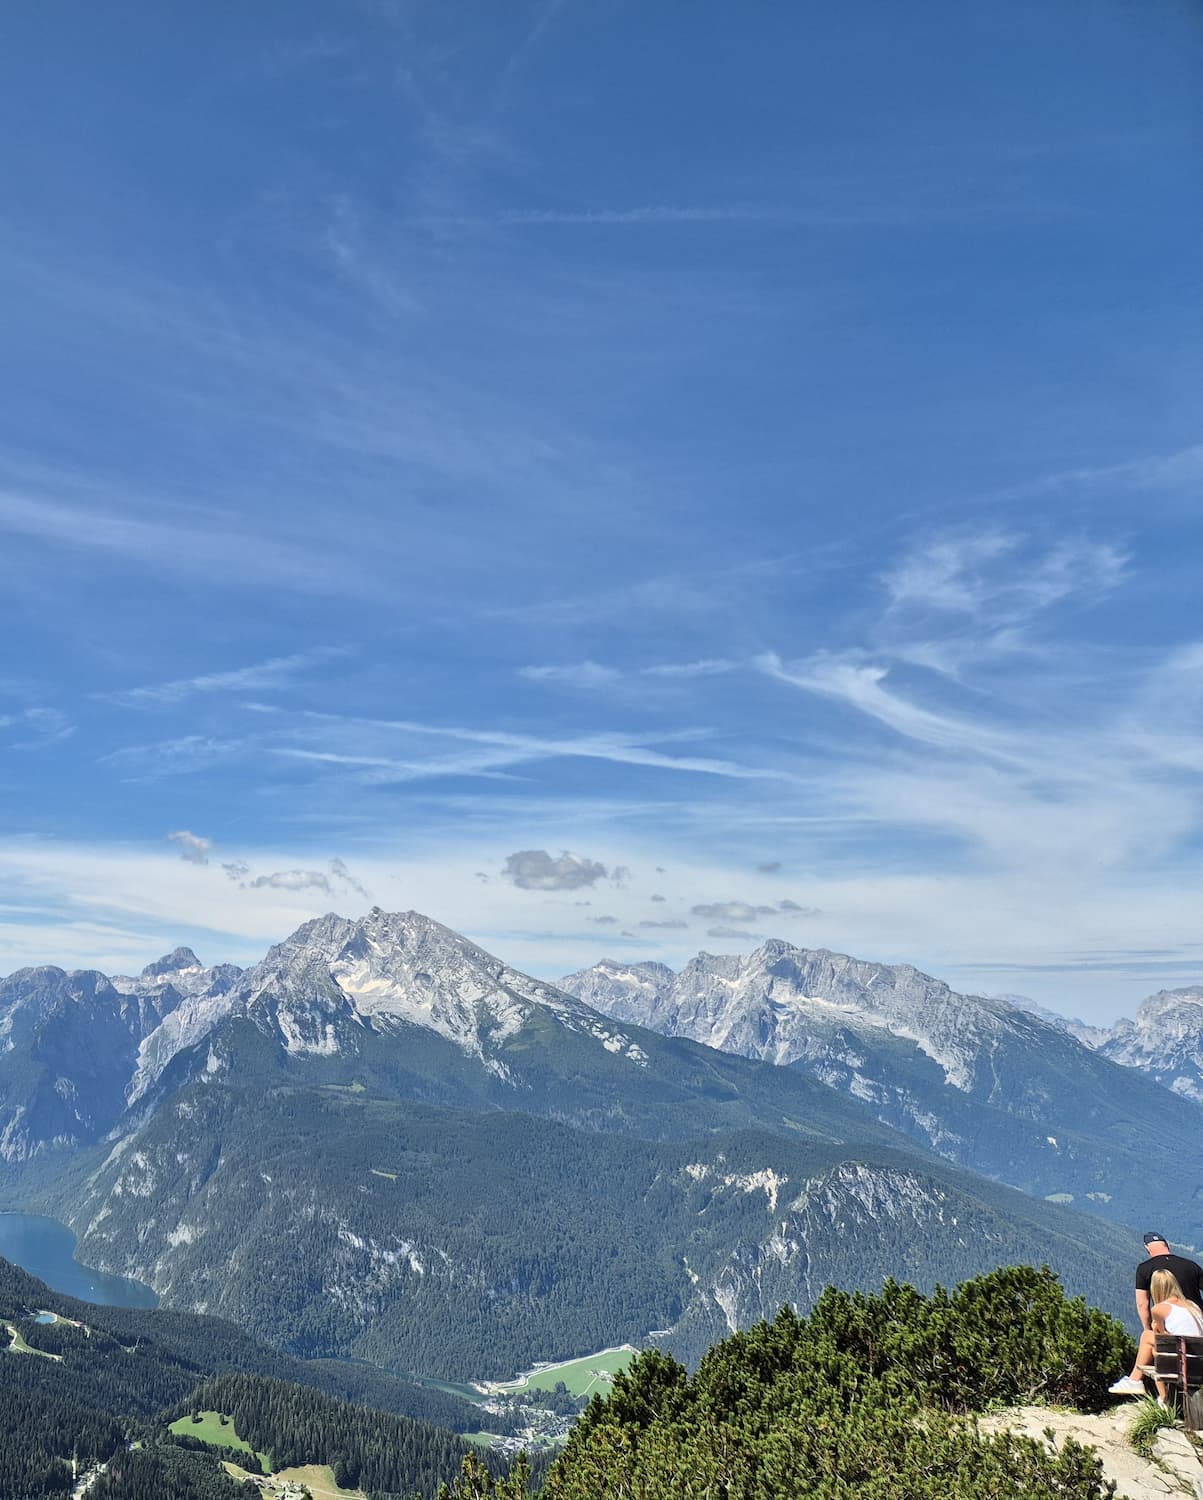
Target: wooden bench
column 1179, row 1361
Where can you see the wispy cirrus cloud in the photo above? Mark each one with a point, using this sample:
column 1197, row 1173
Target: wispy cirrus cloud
column 35, row 728
column 265, row 674
column 583, row 674
column 998, row 577
column 861, row 685
column 591, row 674
column 502, row 750
column 218, row 545
column 709, row 666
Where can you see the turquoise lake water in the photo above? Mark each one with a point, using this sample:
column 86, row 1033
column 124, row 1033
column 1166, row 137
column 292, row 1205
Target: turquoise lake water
column 46, row 1249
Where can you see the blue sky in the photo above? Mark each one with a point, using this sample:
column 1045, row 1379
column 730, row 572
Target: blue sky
column 621, row 478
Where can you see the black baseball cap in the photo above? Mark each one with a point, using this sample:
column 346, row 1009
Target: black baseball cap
column 1155, row 1239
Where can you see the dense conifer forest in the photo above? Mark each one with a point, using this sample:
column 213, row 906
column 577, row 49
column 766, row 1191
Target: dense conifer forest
column 174, row 1350
column 383, row 1454
column 87, row 1391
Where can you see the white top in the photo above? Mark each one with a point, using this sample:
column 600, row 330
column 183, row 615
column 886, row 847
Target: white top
column 1181, row 1321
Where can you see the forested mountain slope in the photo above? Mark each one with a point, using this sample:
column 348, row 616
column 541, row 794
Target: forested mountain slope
column 99, row 1378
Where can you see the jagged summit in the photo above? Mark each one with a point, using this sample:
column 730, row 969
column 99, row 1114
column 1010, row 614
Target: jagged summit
column 179, row 960
column 391, row 968
column 1164, row 1040
column 779, row 1000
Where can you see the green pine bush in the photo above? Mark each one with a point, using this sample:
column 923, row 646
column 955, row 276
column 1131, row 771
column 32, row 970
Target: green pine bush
column 871, row 1396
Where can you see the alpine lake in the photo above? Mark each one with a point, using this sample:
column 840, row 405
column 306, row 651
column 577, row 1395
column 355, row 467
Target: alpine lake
column 46, row 1249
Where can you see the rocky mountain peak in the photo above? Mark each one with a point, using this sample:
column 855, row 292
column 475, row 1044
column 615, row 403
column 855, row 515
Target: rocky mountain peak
column 1184, row 1006
column 178, row 961
column 1164, row 1040
column 387, row 969
column 793, row 1005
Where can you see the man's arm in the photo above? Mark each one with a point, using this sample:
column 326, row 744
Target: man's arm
column 1142, row 1307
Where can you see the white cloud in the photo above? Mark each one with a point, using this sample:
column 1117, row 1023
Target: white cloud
column 859, row 685
column 292, row 880
column 501, row 750
column 1000, row 577
column 582, row 674
column 264, row 674
column 710, row 666
column 732, row 911
column 37, row 728
column 194, row 847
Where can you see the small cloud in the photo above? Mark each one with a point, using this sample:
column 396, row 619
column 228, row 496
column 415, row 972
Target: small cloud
column 193, row 847
column 237, row 869
column 657, row 898
column 660, row 870
column 581, row 674
column 582, row 903
column 711, row 666
column 792, row 909
column 339, row 870
column 482, row 877
column 292, row 880
column 605, row 921
column 729, row 932
column 619, row 876
column 733, row 911
column 675, row 922
column 41, row 728
column 770, row 868
column 537, row 870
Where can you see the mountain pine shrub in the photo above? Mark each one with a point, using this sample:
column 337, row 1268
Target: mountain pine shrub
column 871, row 1396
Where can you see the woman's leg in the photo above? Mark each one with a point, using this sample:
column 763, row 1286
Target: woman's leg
column 1145, row 1352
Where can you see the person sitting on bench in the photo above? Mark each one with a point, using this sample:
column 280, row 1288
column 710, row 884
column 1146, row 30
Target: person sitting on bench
column 1171, row 1313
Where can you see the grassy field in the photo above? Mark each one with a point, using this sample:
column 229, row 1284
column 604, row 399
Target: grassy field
column 19, row 1346
column 318, row 1479
column 583, row 1377
column 211, row 1429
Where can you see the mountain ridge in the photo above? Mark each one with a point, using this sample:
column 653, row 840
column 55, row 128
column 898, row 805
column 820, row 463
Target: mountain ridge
column 411, row 1153
column 978, row 1080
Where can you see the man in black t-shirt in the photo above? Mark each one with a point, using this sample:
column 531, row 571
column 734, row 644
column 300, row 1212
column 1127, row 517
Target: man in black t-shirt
column 1187, row 1273
column 1161, row 1258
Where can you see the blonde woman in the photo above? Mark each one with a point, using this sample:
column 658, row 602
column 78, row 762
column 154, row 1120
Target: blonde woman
column 1171, row 1313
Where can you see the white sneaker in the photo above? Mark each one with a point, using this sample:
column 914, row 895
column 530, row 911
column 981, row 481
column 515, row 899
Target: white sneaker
column 1126, row 1386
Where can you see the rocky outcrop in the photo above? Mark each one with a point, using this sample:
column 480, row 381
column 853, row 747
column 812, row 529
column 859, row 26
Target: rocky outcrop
column 1172, row 1468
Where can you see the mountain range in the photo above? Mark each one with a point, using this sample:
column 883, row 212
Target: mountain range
column 383, row 1142
column 1010, row 1093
